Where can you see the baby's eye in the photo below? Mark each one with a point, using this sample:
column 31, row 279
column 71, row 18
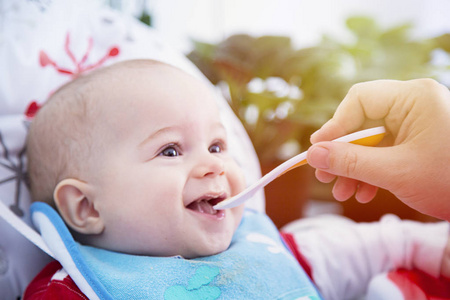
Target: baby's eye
column 216, row 148
column 170, row 151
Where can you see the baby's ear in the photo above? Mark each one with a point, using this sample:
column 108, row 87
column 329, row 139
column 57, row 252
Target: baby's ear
column 72, row 198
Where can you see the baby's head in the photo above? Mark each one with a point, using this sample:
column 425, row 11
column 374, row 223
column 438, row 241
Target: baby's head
column 134, row 156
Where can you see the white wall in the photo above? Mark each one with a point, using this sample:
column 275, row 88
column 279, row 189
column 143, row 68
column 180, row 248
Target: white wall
column 303, row 20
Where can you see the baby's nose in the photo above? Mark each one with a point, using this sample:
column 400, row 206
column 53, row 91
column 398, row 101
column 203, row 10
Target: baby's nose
column 210, row 166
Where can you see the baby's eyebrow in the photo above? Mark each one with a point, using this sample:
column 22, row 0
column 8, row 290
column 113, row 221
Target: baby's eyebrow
column 155, row 134
column 220, row 126
column 173, row 129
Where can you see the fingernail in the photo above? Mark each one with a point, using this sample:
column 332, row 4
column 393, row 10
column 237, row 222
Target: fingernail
column 318, row 157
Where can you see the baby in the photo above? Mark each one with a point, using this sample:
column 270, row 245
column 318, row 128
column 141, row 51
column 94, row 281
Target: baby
column 132, row 152
column 134, row 157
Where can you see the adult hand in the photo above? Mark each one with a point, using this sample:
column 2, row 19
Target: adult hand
column 414, row 163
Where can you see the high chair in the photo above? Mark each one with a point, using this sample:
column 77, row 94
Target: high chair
column 43, row 46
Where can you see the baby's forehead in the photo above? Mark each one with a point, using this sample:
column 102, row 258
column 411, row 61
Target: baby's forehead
column 158, row 88
column 159, row 81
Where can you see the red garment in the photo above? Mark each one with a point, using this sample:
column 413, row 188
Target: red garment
column 292, row 245
column 418, row 285
column 46, row 286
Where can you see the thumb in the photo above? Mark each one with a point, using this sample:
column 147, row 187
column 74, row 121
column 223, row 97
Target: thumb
column 373, row 165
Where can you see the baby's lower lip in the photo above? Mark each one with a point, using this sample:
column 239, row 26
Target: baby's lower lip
column 219, row 215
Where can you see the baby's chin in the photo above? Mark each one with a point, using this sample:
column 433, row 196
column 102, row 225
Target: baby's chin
column 210, row 247
column 206, row 251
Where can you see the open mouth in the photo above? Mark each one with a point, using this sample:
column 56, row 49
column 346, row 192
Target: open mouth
column 205, row 204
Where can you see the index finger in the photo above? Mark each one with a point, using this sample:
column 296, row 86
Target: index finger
column 366, row 105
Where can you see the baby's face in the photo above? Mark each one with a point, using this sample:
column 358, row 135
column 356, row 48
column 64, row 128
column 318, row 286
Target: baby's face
column 165, row 165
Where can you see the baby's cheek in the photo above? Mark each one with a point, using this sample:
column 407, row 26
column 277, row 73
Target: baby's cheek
column 238, row 211
column 236, row 179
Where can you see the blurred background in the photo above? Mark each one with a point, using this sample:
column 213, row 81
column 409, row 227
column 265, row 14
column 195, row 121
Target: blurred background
column 285, row 65
column 304, row 21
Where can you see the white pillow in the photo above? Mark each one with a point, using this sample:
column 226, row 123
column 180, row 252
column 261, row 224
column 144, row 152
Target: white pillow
column 41, row 43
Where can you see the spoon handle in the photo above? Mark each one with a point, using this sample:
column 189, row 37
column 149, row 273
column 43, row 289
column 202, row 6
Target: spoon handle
column 368, row 137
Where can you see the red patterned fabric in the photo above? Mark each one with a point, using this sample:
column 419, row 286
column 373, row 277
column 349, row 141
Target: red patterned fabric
column 45, row 287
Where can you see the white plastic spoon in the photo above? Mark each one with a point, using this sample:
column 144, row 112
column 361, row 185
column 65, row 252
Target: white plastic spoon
column 367, row 137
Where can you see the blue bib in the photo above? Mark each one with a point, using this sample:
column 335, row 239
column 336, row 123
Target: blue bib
column 257, row 265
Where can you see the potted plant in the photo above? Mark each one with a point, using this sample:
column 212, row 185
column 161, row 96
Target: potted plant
column 282, row 94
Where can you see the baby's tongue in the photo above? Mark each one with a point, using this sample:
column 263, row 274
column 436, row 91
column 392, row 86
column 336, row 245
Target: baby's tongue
column 202, row 206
